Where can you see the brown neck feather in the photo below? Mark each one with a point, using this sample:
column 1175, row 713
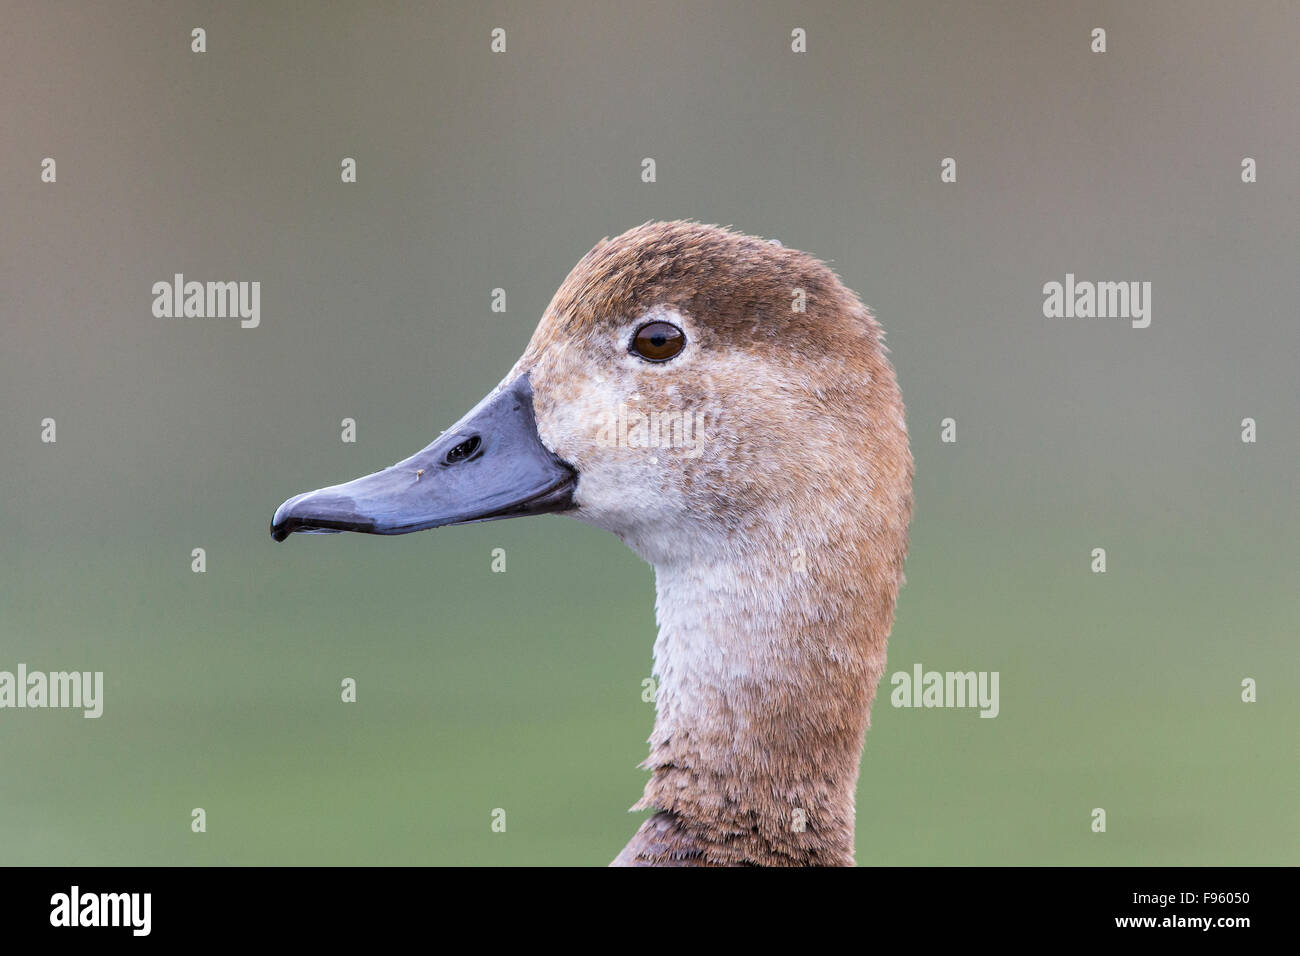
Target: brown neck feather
column 766, row 685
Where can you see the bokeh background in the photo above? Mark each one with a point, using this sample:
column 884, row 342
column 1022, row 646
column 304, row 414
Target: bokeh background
column 523, row 690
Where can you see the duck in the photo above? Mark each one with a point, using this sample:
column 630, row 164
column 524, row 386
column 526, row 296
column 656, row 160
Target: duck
column 726, row 406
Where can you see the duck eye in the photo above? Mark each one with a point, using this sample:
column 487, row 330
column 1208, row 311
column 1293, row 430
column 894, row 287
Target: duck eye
column 658, row 341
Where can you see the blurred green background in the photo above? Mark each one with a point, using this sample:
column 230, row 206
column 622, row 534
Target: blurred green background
column 523, row 690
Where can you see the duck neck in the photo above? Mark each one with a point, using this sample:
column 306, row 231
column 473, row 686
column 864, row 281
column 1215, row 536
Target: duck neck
column 766, row 664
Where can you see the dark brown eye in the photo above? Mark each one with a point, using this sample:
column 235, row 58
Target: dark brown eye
column 658, row 341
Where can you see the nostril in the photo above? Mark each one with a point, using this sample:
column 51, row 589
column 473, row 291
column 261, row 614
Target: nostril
column 463, row 451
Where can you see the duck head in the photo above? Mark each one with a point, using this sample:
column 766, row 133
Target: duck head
column 685, row 384
column 724, row 405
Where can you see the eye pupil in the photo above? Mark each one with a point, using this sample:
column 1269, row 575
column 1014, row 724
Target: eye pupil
column 658, row 341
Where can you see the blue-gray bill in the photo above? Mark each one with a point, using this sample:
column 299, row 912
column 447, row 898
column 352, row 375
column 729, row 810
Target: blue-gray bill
column 489, row 465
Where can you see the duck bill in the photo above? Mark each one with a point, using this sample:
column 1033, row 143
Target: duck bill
column 491, row 464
